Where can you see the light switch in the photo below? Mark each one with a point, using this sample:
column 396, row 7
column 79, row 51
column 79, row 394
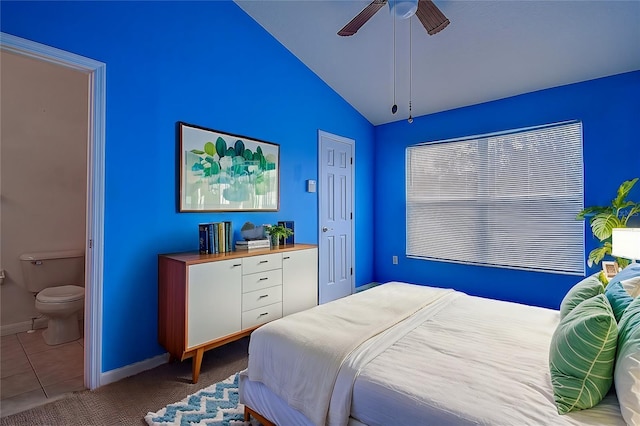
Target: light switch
column 311, row 185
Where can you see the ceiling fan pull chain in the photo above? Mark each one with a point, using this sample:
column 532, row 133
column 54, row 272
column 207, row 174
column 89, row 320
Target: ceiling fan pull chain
column 410, row 120
column 394, row 107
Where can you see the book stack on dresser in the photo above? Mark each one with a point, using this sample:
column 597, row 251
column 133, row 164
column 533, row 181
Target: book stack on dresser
column 252, row 244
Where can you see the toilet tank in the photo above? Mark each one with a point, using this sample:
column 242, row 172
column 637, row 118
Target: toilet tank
column 52, row 268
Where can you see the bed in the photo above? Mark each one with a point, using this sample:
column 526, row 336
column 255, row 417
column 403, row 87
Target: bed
column 401, row 354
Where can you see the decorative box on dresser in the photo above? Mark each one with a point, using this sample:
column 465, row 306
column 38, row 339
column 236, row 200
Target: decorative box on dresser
column 208, row 300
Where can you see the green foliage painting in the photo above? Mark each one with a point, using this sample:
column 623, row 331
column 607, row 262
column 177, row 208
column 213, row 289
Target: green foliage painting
column 226, row 172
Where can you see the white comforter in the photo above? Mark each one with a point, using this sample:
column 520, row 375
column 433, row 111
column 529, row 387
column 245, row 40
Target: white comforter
column 477, row 361
column 299, row 356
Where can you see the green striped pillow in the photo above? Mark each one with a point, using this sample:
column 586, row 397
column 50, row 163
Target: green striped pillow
column 582, row 355
column 585, row 289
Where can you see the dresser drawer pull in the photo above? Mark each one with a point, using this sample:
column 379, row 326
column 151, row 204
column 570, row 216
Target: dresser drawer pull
column 237, row 264
column 263, row 314
column 286, row 257
column 263, row 296
column 263, row 279
column 264, row 261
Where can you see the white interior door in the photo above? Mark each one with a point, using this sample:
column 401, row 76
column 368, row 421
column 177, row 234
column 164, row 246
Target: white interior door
column 335, row 193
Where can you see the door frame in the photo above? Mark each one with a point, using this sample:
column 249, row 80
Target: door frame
column 321, row 252
column 94, row 248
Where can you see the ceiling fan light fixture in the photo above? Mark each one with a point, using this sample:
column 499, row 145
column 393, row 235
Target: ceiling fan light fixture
column 403, row 9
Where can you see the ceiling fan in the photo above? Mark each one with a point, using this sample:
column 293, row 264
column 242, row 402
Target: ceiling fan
column 428, row 13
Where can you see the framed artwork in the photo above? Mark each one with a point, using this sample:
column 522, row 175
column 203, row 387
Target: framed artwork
column 610, row 269
column 226, row 172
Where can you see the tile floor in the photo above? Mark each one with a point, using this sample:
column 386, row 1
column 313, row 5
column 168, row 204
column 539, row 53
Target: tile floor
column 34, row 373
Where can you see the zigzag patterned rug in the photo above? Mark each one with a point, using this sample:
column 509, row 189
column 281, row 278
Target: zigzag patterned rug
column 215, row 405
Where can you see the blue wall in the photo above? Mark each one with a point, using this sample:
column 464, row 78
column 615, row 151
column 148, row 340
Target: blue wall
column 610, row 112
column 209, row 64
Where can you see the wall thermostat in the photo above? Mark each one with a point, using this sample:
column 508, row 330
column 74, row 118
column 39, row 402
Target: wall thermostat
column 311, row 185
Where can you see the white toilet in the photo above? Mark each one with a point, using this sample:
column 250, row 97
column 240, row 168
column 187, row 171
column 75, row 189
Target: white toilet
column 58, row 279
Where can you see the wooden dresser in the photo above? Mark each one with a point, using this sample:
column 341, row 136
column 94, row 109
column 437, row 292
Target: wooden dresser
column 208, row 300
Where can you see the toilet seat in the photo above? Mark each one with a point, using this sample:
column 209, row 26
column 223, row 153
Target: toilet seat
column 61, row 294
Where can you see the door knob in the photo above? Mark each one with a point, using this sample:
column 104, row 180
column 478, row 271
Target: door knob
column 325, row 229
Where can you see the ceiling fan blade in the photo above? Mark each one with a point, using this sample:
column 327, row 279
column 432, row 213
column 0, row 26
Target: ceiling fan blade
column 431, row 18
column 361, row 18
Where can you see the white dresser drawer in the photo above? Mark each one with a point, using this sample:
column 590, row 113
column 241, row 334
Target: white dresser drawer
column 265, row 262
column 263, row 297
column 261, row 315
column 252, row 282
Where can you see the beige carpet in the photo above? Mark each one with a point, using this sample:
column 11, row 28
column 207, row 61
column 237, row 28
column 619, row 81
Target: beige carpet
column 127, row 401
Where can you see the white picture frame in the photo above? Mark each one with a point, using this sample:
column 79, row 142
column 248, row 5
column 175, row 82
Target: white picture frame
column 609, row 268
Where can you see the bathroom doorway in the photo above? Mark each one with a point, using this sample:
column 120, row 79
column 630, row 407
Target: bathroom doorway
column 91, row 107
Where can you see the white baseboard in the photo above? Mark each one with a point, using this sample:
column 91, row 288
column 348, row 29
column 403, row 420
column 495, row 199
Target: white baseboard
column 20, row 327
column 132, row 369
column 366, row 286
column 23, row 326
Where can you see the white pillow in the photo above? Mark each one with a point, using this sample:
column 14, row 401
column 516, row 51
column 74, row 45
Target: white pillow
column 632, row 286
column 626, row 374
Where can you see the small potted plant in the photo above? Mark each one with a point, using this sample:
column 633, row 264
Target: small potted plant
column 277, row 233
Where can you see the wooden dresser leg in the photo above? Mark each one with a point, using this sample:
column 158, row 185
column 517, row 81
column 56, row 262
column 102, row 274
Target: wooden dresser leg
column 197, row 362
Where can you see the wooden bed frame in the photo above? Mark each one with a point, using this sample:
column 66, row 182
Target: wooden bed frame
column 248, row 412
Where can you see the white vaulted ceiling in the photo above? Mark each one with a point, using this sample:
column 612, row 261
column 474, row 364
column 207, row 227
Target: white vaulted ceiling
column 491, row 49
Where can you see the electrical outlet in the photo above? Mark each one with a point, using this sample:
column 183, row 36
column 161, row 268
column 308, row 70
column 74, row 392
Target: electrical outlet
column 395, row 260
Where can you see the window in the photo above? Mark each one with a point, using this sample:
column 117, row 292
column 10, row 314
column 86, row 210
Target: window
column 505, row 199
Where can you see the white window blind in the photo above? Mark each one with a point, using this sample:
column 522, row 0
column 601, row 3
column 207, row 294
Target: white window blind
column 506, row 199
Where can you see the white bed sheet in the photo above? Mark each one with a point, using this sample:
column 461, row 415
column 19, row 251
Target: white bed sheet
column 479, row 361
column 260, row 398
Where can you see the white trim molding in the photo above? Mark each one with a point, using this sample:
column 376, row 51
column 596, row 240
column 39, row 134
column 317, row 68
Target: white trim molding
column 95, row 189
column 21, row 327
column 367, row 286
column 117, row 374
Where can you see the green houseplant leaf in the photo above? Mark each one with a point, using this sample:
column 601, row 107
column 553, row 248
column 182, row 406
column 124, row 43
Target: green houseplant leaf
column 598, row 253
column 632, row 212
column 602, row 225
column 623, row 192
column 590, row 211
